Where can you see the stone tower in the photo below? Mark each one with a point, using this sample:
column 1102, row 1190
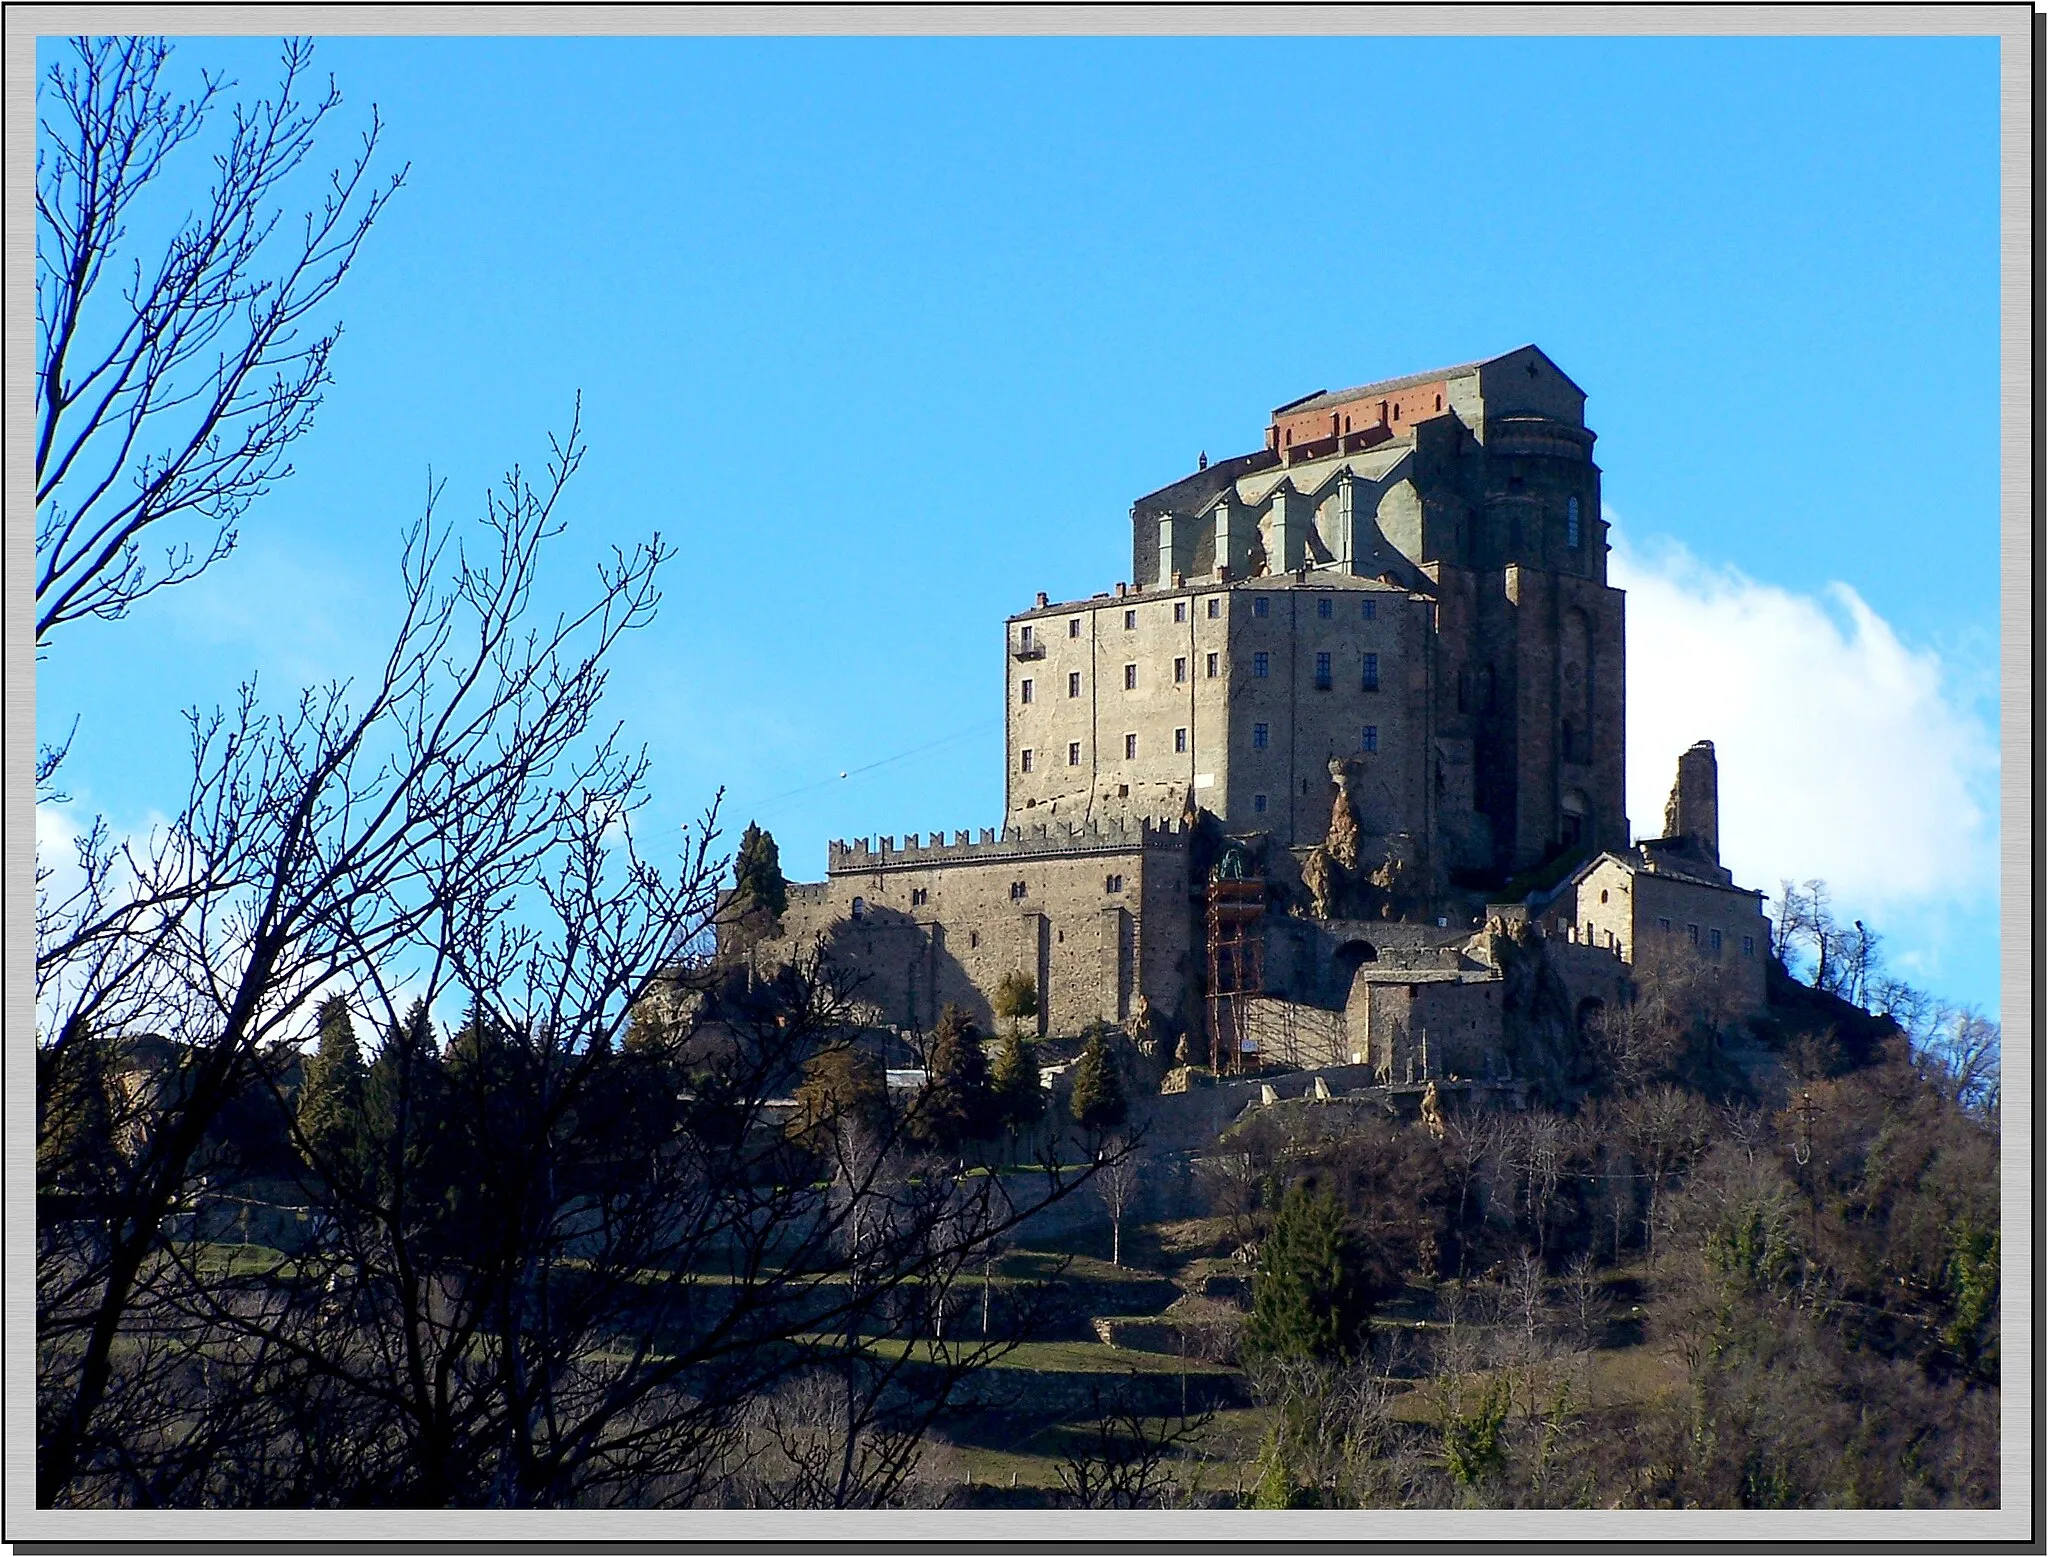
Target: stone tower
column 1693, row 813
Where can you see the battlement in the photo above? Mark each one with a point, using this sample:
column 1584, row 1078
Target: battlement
column 1112, row 835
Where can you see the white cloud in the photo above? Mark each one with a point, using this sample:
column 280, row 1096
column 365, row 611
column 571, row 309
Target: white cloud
column 1844, row 753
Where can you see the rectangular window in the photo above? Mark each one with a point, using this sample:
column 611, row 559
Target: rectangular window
column 1664, row 924
column 919, row 896
column 1130, row 621
column 1369, row 609
column 1016, row 891
column 1073, row 754
column 1215, row 607
column 1210, row 662
column 1749, row 946
column 1180, row 610
column 1369, row 740
column 1323, row 608
column 1692, row 934
column 1073, row 627
column 1180, row 669
column 1259, row 733
column 1112, row 883
column 1024, row 760
column 1714, row 941
column 1130, row 678
column 1073, row 683
column 1024, row 690
column 1258, row 605
column 1322, row 672
column 1130, row 747
column 1371, row 683
column 1259, row 663
column 1180, row 739
column 1259, row 804
column 1025, row 638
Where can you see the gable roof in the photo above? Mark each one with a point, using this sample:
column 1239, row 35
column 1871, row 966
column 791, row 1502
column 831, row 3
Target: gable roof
column 1409, row 380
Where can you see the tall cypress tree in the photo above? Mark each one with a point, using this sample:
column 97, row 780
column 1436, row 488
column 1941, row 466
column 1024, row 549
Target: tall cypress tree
column 1019, row 1100
column 1309, row 1296
column 1098, row 1101
column 958, row 1104
column 758, row 882
column 331, row 1099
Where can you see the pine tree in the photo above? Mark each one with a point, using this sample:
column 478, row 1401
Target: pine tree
column 1309, row 1298
column 957, row 1105
column 758, row 882
column 1019, row 1100
column 402, row 1101
column 1098, row 1101
column 330, row 1109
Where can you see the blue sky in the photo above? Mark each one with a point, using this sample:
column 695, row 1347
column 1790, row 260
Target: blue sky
column 885, row 336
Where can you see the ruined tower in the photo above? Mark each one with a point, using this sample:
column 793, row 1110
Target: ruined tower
column 1692, row 815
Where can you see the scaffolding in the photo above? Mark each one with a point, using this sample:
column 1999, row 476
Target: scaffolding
column 1237, row 966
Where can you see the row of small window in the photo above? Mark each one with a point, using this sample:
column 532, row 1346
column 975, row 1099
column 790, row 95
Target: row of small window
column 1019, row 890
column 1368, row 610
column 1262, row 738
column 1692, row 933
column 1262, row 668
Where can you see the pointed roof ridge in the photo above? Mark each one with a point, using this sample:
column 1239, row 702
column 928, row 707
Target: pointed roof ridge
column 1408, row 380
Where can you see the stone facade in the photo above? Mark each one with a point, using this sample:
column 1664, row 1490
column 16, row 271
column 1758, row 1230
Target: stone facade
column 1093, row 913
column 1446, row 525
column 1382, row 655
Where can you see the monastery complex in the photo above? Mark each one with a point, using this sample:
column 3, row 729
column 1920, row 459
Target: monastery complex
column 1336, row 778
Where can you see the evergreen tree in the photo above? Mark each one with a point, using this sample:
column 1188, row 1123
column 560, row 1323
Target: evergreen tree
column 1098, row 1102
column 758, row 881
column 1016, row 997
column 75, row 1123
column 842, row 1086
column 957, row 1104
column 402, row 1103
column 1309, row 1297
column 1019, row 1100
column 330, row 1107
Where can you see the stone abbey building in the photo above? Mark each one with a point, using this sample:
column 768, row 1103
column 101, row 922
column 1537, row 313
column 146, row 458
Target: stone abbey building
column 1375, row 666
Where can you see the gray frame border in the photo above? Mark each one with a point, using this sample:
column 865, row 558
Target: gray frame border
column 2019, row 498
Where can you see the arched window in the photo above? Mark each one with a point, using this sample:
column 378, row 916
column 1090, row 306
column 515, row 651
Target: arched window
column 860, row 908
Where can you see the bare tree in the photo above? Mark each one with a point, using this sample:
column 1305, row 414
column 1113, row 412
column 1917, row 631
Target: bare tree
column 1116, row 1182
column 1129, row 1459
column 174, row 374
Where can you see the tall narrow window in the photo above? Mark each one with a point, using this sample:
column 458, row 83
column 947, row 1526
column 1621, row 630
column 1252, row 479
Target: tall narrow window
column 1322, row 672
column 1215, row 608
column 1369, row 609
column 1259, row 735
column 1259, row 804
column 1571, row 522
column 1073, row 627
column 1024, row 690
column 1210, row 665
column 1024, row 760
column 1259, row 604
column 1370, row 740
column 1073, row 683
column 1323, row 608
column 1260, row 663
column 1180, row 610
column 1130, row 747
column 1371, row 680
column 1130, row 678
column 1026, row 639
column 1130, row 621
column 1180, row 669
column 1073, row 754
column 1180, row 739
